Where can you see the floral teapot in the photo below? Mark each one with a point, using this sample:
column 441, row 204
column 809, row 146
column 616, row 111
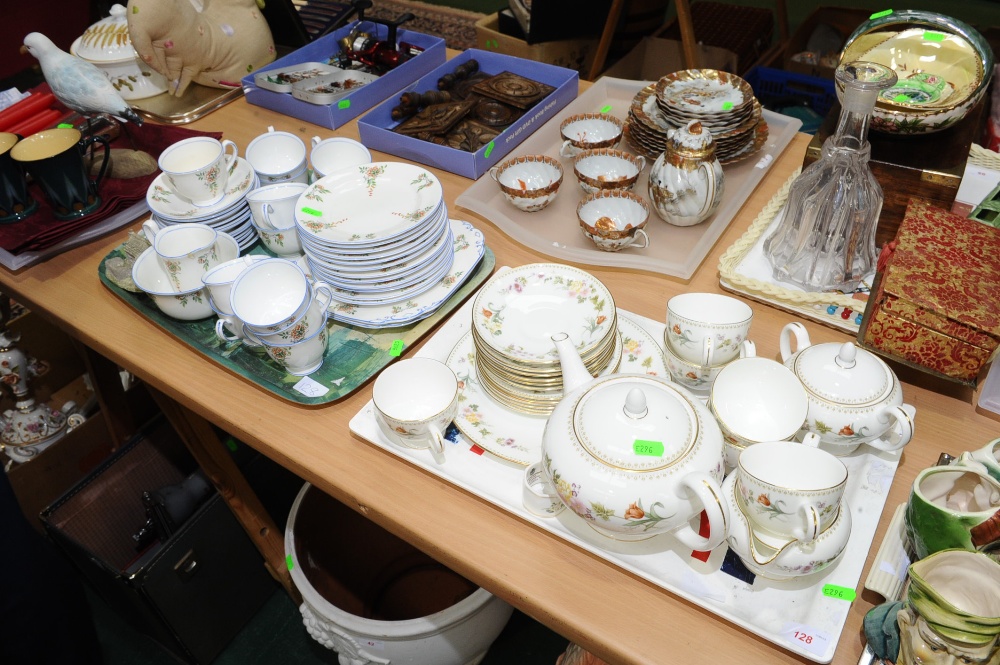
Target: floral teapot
column 634, row 455
column 854, row 397
column 686, row 181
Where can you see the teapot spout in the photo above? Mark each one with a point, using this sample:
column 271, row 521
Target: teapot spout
column 574, row 372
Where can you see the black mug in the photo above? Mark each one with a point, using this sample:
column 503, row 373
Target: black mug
column 15, row 201
column 55, row 160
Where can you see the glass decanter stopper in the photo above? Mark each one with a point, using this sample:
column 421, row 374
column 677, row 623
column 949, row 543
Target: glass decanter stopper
column 826, row 239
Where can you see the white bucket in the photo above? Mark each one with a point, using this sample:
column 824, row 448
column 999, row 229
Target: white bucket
column 373, row 598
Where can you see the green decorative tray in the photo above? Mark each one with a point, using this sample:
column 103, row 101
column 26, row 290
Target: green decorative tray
column 353, row 356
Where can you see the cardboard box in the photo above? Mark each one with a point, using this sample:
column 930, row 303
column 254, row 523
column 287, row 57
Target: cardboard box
column 574, row 54
column 354, row 104
column 547, row 20
column 933, row 305
column 844, row 20
column 654, row 58
column 376, row 126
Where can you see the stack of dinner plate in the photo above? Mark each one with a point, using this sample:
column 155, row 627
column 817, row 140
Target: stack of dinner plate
column 377, row 233
column 514, row 317
column 230, row 215
column 723, row 103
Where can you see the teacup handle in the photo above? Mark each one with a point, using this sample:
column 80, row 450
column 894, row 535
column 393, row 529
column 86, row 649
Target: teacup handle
column 150, row 228
column 811, row 530
column 801, row 339
column 538, row 494
column 903, row 417
column 266, row 211
column 748, row 349
column 645, row 239
column 319, row 288
column 640, row 162
column 494, row 173
column 565, row 149
column 315, row 141
column 220, row 332
column 437, row 444
column 230, row 157
column 708, row 352
column 811, row 439
column 709, row 494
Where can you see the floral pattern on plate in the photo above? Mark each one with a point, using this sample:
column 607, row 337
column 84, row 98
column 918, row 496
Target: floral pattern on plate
column 163, row 201
column 517, row 437
column 370, row 203
column 518, row 311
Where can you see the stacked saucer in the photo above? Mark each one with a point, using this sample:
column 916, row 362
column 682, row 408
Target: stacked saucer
column 231, row 215
column 377, row 233
column 514, row 317
column 723, row 103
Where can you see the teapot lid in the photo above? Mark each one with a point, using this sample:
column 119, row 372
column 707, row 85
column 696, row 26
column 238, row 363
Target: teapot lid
column 635, row 423
column 107, row 40
column 843, row 374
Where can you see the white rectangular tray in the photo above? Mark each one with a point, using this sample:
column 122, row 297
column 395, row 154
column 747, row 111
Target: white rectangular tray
column 673, row 250
column 785, row 613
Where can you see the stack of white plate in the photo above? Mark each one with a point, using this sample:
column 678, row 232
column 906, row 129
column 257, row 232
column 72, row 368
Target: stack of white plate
column 377, row 233
column 515, row 315
column 230, row 215
column 723, row 103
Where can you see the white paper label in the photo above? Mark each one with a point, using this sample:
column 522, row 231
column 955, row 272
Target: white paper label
column 310, row 388
column 806, row 637
column 764, row 162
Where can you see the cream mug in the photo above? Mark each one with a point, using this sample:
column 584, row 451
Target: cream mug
column 415, row 401
column 198, row 168
column 790, row 489
column 707, row 328
column 185, row 251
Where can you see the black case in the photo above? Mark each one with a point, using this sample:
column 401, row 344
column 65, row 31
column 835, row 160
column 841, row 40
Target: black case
column 192, row 593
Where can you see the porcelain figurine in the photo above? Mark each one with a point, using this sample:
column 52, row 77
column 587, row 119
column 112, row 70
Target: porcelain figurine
column 686, row 181
column 951, row 613
column 634, row 455
column 854, row 397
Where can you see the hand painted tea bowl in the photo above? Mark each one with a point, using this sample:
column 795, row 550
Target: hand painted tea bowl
column 589, row 131
column 783, row 558
column 854, row 397
column 607, row 168
column 614, row 219
column 530, row 182
column 616, row 463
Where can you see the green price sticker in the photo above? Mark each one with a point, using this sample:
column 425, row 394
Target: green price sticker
column 231, row 444
column 727, row 106
column 648, row 448
column 344, row 104
column 289, row 562
column 489, row 149
column 884, row 12
column 839, row 592
column 396, row 348
column 934, row 36
column 312, row 211
column 900, row 98
column 64, row 125
column 606, row 109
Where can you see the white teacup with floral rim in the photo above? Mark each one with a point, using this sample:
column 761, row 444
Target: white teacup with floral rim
column 415, row 401
column 790, row 489
column 198, row 168
column 706, row 328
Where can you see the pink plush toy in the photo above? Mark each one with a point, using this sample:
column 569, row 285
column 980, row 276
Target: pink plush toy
column 211, row 42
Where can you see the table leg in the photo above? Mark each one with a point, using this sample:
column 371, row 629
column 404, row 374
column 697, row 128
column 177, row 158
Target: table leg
column 210, row 453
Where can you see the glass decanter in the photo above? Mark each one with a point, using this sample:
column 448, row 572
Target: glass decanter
column 826, row 239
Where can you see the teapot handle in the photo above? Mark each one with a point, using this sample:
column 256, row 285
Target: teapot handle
column 713, row 183
column 801, row 339
column 903, row 428
column 709, row 494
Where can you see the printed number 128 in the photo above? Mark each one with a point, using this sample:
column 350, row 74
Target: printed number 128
column 803, row 637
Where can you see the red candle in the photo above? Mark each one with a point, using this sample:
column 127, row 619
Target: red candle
column 24, row 110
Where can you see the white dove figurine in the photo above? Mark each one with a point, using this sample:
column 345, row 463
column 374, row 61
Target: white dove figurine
column 77, row 83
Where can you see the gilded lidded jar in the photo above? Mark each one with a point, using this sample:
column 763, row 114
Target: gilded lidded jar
column 686, row 182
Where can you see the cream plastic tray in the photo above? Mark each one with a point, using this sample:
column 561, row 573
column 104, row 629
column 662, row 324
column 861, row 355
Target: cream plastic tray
column 795, row 615
column 555, row 231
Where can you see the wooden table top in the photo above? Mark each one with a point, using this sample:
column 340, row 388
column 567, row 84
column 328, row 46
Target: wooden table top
column 619, row 617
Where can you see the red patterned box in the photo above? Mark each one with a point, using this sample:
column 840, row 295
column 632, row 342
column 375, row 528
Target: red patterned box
column 935, row 304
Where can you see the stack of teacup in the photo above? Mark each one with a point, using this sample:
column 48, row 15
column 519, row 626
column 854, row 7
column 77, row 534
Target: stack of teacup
column 275, row 305
column 704, row 333
column 273, row 212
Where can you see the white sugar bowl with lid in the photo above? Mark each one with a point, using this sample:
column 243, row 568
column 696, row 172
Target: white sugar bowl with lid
column 634, row 455
column 854, row 397
column 107, row 45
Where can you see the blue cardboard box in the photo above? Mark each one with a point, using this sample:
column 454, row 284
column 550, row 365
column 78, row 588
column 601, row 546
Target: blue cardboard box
column 376, row 126
column 357, row 102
